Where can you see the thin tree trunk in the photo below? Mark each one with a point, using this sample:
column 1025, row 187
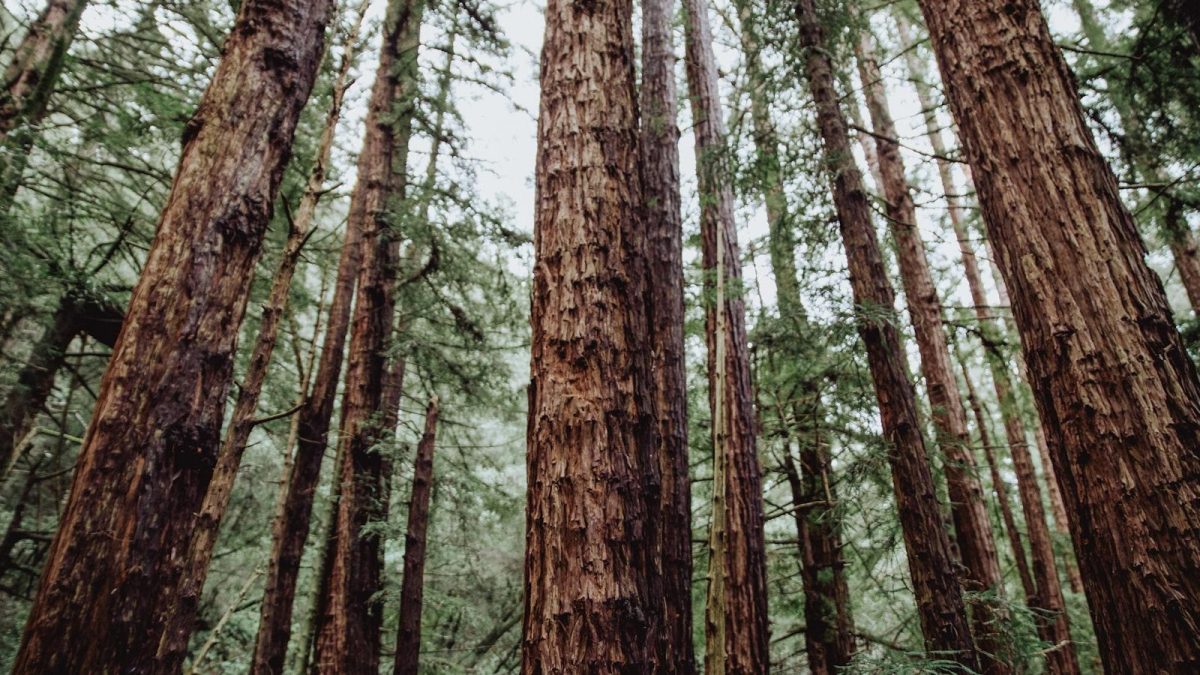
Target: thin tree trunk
column 408, row 639
column 178, row 630
column 664, row 254
column 829, row 627
column 591, row 601
column 737, row 633
column 148, row 455
column 1116, row 390
column 938, row 595
column 975, row 540
column 347, row 630
column 35, row 381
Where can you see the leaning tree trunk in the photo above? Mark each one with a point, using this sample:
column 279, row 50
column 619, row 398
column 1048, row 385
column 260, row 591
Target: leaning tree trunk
column 665, row 318
column 975, row 541
column 737, row 634
column 1118, row 394
column 147, row 458
column 178, row 630
column 829, row 627
column 591, row 601
column 408, row 639
column 347, row 629
column 28, row 82
column 931, row 565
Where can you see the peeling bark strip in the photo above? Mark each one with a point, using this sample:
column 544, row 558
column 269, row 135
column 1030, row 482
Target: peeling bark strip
column 349, row 617
column 971, row 523
column 935, row 582
column 408, row 639
column 1118, row 395
column 664, row 256
column 149, row 452
column 592, row 603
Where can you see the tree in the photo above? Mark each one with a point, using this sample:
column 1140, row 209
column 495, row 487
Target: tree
column 149, row 451
column 1114, row 387
column 664, row 253
column 939, row 597
column 591, row 601
column 408, row 639
column 349, row 618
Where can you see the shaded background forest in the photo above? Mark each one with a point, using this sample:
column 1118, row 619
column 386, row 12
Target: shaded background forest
column 80, row 209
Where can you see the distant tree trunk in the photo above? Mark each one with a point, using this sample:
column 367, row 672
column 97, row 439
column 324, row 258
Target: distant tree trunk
column 664, row 254
column 408, row 639
column 178, row 630
column 975, row 540
column 1187, row 15
column 591, row 603
column 1000, row 487
column 290, row 529
column 829, row 627
column 28, row 82
column 35, row 381
column 347, row 629
column 736, row 618
column 1117, row 393
column 148, row 454
column 939, row 597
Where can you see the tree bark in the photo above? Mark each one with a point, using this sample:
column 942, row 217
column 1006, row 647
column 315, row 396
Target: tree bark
column 737, row 634
column 975, row 540
column 408, row 639
column 290, row 529
column 178, row 630
column 659, row 138
column 592, row 602
column 149, row 452
column 1117, row 393
column 829, row 627
column 347, row 629
column 935, row 581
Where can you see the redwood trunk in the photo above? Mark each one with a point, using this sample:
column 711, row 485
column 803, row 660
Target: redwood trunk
column 1117, row 393
column 931, row 565
column 590, row 555
column 664, row 255
column 408, row 640
column 148, row 455
column 35, row 381
column 347, row 629
column 737, row 634
column 975, row 541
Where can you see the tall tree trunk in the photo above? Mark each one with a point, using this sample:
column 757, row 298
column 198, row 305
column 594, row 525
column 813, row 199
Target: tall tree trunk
column 664, row 254
column 28, row 81
column 178, row 630
column 148, row 454
column 1117, row 393
column 347, row 630
column 290, row 529
column 591, row 601
column 939, row 597
column 736, row 615
column 1000, row 488
column 408, row 639
column 35, row 381
column 829, row 627
column 1186, row 253
column 975, row 540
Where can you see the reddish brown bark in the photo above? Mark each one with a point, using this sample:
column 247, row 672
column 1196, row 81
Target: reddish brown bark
column 349, row 618
column 664, row 255
column 736, row 614
column 975, row 541
column 408, row 639
column 1116, row 391
column 36, row 62
column 148, row 454
column 935, row 581
column 1185, row 251
column 591, row 602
